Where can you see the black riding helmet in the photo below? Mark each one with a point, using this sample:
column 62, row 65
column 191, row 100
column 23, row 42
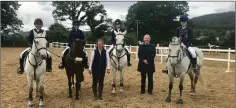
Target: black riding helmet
column 38, row 21
column 183, row 18
column 118, row 21
column 75, row 22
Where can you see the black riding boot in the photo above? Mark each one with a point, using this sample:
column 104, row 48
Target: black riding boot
column 21, row 69
column 128, row 58
column 194, row 62
column 62, row 64
column 49, row 64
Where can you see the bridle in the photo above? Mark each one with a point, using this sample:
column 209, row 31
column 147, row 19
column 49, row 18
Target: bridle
column 38, row 63
column 71, row 51
column 119, row 53
column 178, row 56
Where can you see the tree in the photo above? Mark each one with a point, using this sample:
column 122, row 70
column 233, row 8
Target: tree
column 57, row 32
column 9, row 20
column 97, row 27
column 71, row 10
column 158, row 18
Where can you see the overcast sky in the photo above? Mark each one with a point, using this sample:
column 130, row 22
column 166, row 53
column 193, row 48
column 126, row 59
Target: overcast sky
column 28, row 11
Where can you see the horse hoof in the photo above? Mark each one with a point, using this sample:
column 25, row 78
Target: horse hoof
column 113, row 91
column 41, row 104
column 192, row 94
column 30, row 104
column 121, row 90
column 168, row 99
column 77, row 98
column 69, row 96
column 180, row 101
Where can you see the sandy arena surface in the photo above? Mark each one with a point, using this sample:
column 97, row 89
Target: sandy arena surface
column 219, row 91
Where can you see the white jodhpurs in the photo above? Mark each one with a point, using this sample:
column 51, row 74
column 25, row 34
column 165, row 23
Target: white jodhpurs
column 21, row 54
column 67, row 48
column 192, row 52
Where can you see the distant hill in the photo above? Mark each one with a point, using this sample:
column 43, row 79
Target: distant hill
column 224, row 20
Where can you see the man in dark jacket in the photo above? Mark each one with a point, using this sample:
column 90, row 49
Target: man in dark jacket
column 146, row 65
column 185, row 33
column 38, row 23
column 74, row 34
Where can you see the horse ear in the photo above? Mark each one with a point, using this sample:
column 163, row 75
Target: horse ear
column 115, row 32
column 124, row 33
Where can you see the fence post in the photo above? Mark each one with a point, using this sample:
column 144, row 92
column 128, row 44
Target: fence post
column 161, row 50
column 94, row 46
column 228, row 61
column 136, row 58
column 130, row 49
column 105, row 46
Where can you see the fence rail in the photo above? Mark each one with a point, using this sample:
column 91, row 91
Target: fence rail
column 162, row 52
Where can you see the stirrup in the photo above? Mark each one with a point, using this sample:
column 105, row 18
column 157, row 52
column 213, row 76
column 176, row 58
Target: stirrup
column 20, row 71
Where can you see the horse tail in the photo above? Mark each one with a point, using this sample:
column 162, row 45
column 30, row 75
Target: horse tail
column 201, row 80
column 200, row 62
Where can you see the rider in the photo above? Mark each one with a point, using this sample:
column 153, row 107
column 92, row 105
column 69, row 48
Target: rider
column 38, row 23
column 185, row 33
column 113, row 39
column 75, row 33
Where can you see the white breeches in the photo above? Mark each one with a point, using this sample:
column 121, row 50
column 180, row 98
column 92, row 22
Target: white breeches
column 67, row 48
column 126, row 47
column 21, row 54
column 27, row 49
column 192, row 52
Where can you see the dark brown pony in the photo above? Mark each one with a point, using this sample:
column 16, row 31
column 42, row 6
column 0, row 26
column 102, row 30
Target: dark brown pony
column 75, row 67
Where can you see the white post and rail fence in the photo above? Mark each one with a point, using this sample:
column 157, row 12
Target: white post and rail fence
column 162, row 52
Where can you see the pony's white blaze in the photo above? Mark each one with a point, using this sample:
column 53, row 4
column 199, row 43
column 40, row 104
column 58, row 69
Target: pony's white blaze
column 118, row 60
column 35, row 67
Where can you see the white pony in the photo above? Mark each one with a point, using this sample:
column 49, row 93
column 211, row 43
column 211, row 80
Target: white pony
column 179, row 64
column 35, row 67
column 118, row 60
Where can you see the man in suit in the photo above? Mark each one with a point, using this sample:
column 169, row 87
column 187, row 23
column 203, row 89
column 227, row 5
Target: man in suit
column 146, row 65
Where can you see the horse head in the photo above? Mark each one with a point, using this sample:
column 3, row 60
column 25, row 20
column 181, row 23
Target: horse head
column 120, row 40
column 175, row 50
column 39, row 46
column 77, row 47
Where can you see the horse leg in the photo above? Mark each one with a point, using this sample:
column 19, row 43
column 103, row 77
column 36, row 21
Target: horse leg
column 195, row 81
column 41, row 91
column 73, row 83
column 69, row 85
column 171, row 79
column 37, row 87
column 121, row 80
column 30, row 84
column 191, row 78
column 114, row 81
column 78, row 85
column 180, row 101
